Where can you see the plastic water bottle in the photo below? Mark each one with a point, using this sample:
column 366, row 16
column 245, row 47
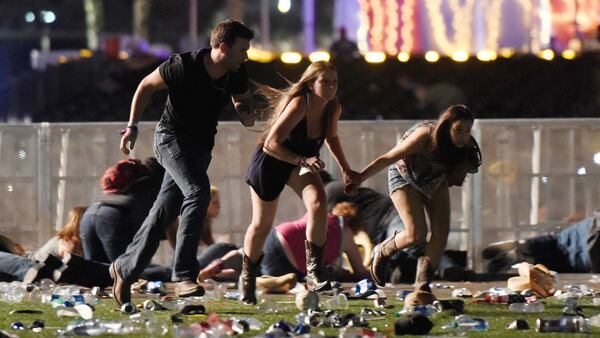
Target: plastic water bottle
column 364, row 286
column 426, row 310
column 462, row 293
column 337, row 302
column 536, row 306
column 466, row 323
column 571, row 308
column 570, row 324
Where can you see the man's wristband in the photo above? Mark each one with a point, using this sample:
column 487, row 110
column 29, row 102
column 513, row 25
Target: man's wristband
column 132, row 126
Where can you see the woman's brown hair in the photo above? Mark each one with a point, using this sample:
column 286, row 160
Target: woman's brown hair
column 70, row 232
column 278, row 99
column 443, row 148
column 350, row 214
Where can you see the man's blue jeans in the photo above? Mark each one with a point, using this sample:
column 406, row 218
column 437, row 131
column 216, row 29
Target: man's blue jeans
column 14, row 266
column 185, row 191
column 572, row 250
column 105, row 233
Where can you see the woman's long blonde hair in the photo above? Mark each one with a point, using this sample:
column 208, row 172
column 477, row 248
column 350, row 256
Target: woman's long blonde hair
column 278, row 99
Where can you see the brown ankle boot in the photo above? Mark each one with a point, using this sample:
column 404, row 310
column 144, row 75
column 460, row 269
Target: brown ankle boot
column 247, row 281
column 424, row 274
column 381, row 256
column 314, row 268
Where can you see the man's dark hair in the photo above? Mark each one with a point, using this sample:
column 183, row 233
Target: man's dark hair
column 227, row 31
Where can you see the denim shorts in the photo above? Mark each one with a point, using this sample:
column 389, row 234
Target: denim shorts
column 395, row 180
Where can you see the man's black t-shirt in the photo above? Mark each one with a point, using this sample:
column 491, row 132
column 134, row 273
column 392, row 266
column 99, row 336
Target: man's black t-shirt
column 195, row 100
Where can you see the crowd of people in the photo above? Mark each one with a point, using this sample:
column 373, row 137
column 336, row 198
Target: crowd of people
column 170, row 197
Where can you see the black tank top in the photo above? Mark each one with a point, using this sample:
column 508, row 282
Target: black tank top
column 300, row 143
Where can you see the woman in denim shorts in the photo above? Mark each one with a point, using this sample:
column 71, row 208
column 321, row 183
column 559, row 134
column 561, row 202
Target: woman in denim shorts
column 429, row 157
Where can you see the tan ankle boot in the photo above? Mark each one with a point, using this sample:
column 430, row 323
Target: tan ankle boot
column 424, row 274
column 314, row 268
column 247, row 281
column 381, row 256
column 281, row 284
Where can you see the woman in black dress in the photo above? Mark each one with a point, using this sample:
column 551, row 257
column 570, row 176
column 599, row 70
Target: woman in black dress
column 305, row 115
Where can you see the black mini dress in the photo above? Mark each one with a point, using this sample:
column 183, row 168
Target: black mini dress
column 268, row 175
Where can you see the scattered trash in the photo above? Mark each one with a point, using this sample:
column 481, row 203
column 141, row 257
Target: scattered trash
column 401, row 294
column 308, row 300
column 364, row 286
column 197, row 309
column 152, row 305
column 536, row 306
column 456, row 305
column 128, row 308
column 338, row 302
column 26, row 311
column 426, row 310
column 465, row 323
column 518, row 324
column 567, row 324
column 462, row 293
column 413, row 325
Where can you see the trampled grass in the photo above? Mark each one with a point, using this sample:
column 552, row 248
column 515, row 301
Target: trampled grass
column 496, row 315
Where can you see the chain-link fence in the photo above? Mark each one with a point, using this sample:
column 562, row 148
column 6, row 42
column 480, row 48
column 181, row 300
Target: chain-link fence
column 536, row 176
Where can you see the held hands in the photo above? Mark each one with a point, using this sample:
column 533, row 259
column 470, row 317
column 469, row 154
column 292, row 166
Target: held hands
column 128, row 137
column 314, row 164
column 352, row 181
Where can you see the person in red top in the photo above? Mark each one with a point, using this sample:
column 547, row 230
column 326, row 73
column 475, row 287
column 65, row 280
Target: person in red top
column 284, row 247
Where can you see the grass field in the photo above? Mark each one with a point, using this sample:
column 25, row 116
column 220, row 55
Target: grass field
column 496, row 315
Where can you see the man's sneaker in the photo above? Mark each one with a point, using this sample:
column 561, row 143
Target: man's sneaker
column 121, row 289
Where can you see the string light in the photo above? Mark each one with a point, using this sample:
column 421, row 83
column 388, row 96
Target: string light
column 568, row 54
column 378, row 26
column 319, row 56
column 392, row 27
column 461, row 22
column 588, row 15
column 362, row 35
column 284, row 6
column 406, row 31
column 403, row 56
column 291, row 57
column 507, row 52
column 375, row 57
column 547, row 54
column 438, row 26
column 493, row 15
column 487, row 55
column 533, row 29
column 432, row 56
column 260, row 55
column 460, row 56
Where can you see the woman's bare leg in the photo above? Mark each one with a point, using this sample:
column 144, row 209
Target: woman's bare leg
column 438, row 210
column 410, row 206
column 310, row 189
column 263, row 214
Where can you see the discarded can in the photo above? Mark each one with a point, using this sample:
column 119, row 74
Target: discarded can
column 518, row 324
column 364, row 286
column 563, row 324
column 128, row 308
column 17, row 326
